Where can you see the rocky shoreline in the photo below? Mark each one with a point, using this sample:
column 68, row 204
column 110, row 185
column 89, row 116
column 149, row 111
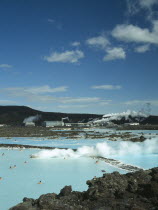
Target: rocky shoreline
column 24, row 146
column 138, row 127
column 119, row 164
column 67, row 133
column 131, row 191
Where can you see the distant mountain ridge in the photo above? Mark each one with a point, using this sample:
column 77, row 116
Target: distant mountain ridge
column 15, row 115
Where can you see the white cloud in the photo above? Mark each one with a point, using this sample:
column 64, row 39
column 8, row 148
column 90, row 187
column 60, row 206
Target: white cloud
column 83, row 100
column 39, row 94
column 79, row 100
column 147, row 3
column 46, row 89
column 104, row 103
column 65, row 57
column 75, row 44
column 135, row 6
column 62, row 100
column 99, row 42
column 29, row 91
column 135, row 102
column 51, row 20
column 114, row 53
column 44, row 96
column 132, row 33
column 132, row 7
column 73, row 106
column 6, row 102
column 57, row 24
column 103, row 43
column 142, row 48
column 5, row 66
column 107, row 87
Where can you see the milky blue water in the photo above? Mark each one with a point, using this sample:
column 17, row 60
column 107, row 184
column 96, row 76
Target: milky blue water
column 110, row 130
column 144, row 161
column 61, row 143
column 55, row 173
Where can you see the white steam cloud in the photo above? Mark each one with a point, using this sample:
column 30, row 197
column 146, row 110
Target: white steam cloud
column 118, row 116
column 32, row 119
column 103, row 150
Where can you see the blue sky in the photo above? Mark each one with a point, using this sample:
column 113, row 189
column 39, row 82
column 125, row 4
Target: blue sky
column 82, row 56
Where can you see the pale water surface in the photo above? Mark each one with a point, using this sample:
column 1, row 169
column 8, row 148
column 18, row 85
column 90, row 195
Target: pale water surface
column 55, row 173
column 75, row 170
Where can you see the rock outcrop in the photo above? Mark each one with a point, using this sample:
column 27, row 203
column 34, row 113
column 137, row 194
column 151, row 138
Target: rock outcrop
column 131, row 191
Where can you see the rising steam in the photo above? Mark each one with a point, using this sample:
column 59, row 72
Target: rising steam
column 103, row 150
column 137, row 116
column 32, row 118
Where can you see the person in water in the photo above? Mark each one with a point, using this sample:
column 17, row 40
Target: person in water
column 39, row 182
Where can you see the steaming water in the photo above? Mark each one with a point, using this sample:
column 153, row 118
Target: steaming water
column 21, row 181
column 55, row 172
column 105, row 149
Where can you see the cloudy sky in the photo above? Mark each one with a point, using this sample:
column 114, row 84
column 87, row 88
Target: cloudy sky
column 85, row 56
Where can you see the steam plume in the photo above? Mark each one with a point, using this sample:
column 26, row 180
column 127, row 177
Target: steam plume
column 32, row 118
column 103, row 150
column 138, row 116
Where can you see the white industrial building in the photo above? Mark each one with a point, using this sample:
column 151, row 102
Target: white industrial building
column 76, row 124
column 133, row 123
column 29, row 124
column 136, row 123
column 52, row 123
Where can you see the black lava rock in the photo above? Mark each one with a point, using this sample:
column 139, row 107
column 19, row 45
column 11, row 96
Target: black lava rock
column 132, row 191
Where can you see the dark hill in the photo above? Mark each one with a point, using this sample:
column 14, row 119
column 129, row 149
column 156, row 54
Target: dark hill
column 153, row 120
column 14, row 115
